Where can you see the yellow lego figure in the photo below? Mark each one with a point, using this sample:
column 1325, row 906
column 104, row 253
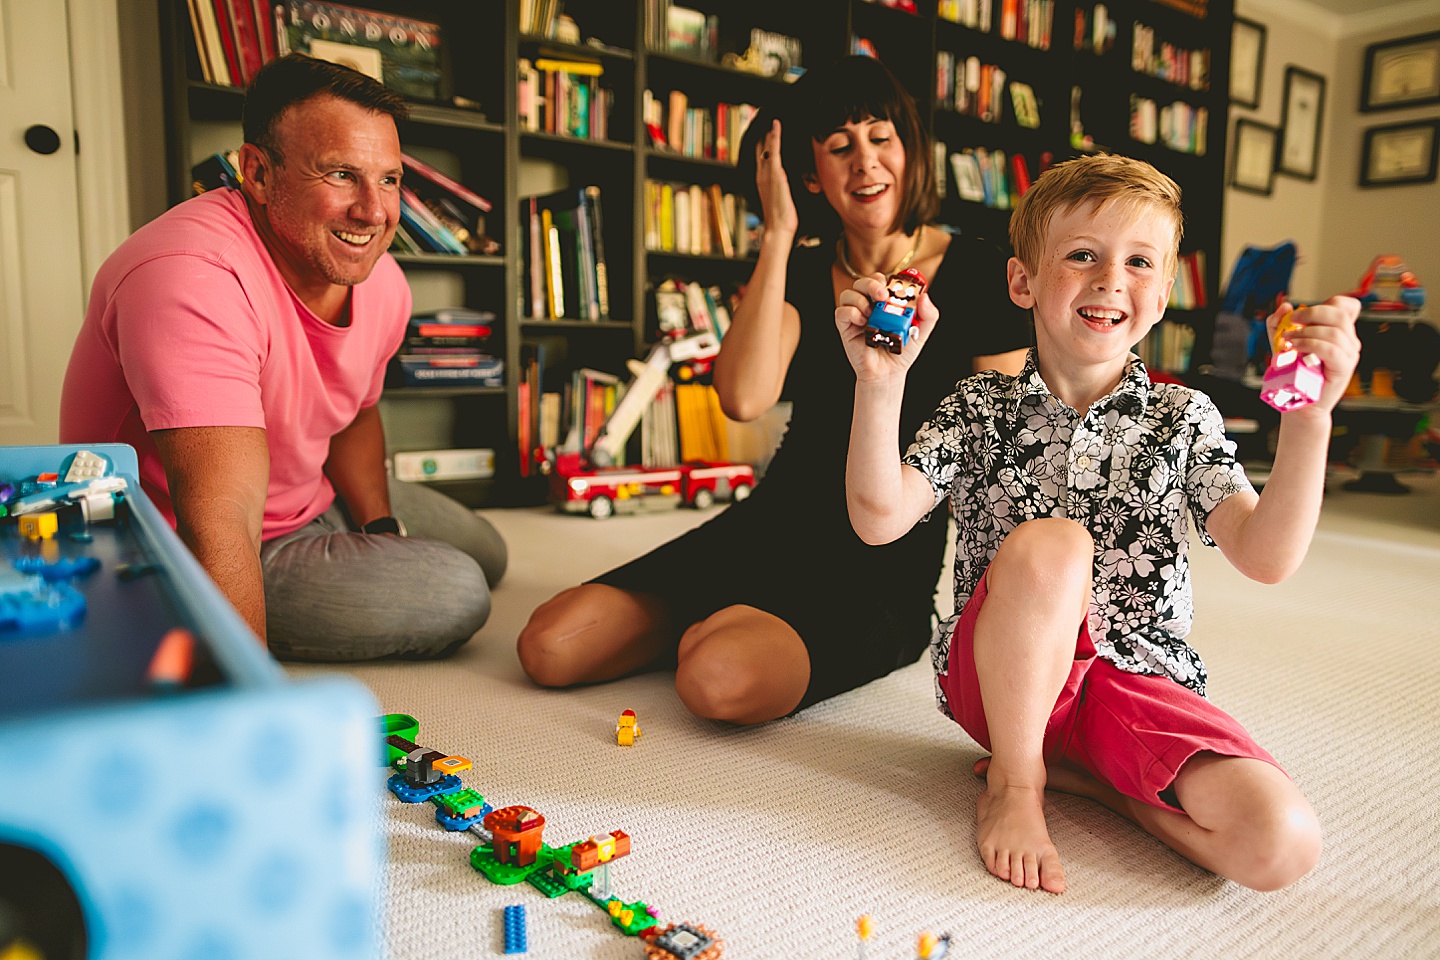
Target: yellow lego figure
column 627, row 729
column 38, row 526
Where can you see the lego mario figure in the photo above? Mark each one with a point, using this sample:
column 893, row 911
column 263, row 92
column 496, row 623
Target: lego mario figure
column 891, row 318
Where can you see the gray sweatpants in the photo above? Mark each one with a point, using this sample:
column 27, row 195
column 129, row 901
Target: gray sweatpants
column 334, row 595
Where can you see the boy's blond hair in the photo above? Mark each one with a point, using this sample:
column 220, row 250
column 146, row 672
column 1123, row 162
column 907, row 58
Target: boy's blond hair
column 1100, row 179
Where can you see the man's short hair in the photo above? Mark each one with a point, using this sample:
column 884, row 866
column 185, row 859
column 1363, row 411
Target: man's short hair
column 1099, row 179
column 294, row 78
column 852, row 89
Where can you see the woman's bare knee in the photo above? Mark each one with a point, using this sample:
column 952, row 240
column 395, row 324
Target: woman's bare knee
column 730, row 667
column 585, row 634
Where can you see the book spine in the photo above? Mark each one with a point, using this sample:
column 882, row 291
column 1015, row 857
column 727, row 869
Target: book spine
column 221, row 10
column 597, row 239
column 459, row 191
column 554, row 284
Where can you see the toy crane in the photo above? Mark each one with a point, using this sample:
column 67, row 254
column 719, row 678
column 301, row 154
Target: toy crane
column 590, row 482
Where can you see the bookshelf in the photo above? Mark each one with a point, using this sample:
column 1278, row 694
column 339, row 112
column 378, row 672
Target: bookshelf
column 486, row 144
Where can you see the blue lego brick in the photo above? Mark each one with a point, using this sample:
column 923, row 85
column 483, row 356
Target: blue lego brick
column 64, row 568
column 45, row 607
column 516, row 940
column 403, row 789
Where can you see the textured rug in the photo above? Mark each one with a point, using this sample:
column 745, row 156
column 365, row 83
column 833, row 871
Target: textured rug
column 778, row 838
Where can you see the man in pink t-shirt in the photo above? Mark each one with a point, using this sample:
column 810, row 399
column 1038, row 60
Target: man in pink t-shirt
column 239, row 343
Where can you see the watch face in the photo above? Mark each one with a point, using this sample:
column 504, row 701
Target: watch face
column 383, row 525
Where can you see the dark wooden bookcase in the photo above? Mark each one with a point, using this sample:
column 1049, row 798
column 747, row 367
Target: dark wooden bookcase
column 491, row 150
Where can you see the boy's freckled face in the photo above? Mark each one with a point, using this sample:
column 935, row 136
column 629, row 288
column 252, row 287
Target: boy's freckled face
column 1102, row 282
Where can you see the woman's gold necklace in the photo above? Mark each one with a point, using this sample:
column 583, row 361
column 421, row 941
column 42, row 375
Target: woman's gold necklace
column 842, row 249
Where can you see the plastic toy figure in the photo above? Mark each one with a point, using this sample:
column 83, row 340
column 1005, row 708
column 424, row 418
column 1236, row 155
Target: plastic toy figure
column 891, row 318
column 1389, row 285
column 627, row 729
column 1293, row 379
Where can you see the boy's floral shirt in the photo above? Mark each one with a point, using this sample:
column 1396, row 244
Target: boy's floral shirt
column 1005, row 450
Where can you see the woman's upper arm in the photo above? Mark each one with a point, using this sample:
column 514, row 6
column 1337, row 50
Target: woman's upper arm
column 751, row 391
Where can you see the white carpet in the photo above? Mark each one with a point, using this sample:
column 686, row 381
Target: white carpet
column 779, row 837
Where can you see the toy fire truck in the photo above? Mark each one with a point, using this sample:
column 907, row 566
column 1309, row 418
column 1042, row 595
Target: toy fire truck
column 589, row 482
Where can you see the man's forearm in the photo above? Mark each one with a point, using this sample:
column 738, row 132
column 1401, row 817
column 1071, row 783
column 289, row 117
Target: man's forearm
column 231, row 556
column 356, row 467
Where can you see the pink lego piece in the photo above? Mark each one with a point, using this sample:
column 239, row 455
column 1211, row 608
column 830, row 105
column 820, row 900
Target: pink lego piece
column 1292, row 380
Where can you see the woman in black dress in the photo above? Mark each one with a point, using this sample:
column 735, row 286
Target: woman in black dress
column 776, row 603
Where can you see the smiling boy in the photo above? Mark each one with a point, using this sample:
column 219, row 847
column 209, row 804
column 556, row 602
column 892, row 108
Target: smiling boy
column 1070, row 486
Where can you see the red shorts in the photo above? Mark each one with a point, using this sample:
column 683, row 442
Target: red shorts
column 1133, row 731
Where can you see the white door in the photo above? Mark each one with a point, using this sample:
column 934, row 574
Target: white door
column 41, row 293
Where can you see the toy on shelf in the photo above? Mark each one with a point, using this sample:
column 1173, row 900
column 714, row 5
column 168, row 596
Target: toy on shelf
column 1389, row 285
column 513, row 849
column 1293, row 379
column 588, row 481
column 627, row 729
column 891, row 318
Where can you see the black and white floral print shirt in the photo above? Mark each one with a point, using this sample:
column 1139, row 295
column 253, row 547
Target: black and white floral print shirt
column 1006, row 450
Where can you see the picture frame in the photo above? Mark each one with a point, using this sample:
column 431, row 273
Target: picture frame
column 1401, row 73
column 1247, row 61
column 1300, row 123
column 1252, row 163
column 1400, row 153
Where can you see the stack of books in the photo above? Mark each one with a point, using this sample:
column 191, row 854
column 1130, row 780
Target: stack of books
column 688, row 218
column 564, row 97
column 439, row 215
column 565, row 256
column 446, row 348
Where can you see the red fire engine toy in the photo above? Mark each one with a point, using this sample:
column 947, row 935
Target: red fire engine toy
column 588, row 481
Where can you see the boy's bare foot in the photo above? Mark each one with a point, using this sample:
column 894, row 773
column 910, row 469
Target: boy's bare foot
column 1010, row 832
column 1064, row 778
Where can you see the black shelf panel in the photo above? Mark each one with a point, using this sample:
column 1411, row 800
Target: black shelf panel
column 440, row 393
column 439, row 115
column 447, row 261
column 532, row 325
column 560, row 50
column 543, row 141
column 663, row 156
column 701, row 257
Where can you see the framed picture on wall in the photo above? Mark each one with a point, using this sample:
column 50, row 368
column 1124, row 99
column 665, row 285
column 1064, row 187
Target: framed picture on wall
column 1400, row 153
column 1300, row 123
column 1402, row 73
column 1247, row 61
column 1252, row 166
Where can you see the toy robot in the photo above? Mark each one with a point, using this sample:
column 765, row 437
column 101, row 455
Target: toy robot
column 1293, row 379
column 891, row 318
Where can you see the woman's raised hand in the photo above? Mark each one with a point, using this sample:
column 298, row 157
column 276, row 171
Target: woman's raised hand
column 774, row 186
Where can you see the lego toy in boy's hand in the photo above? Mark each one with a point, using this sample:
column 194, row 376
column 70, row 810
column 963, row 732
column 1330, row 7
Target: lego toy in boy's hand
column 1293, row 379
column 892, row 318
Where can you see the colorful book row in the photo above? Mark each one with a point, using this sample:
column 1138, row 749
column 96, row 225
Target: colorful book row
column 681, row 218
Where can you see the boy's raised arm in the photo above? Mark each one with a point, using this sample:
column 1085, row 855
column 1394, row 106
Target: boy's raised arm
column 884, row 496
column 1266, row 537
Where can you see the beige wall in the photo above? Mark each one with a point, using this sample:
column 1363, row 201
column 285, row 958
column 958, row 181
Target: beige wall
column 1365, row 221
column 1337, row 226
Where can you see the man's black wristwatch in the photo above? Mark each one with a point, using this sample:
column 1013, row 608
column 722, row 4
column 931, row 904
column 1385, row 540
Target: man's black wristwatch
column 384, row 525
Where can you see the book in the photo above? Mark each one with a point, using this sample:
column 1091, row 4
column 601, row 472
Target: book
column 202, row 28
column 423, row 329
column 602, row 277
column 460, row 191
column 410, row 50
column 228, row 50
column 453, row 315
column 247, row 42
column 217, row 170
